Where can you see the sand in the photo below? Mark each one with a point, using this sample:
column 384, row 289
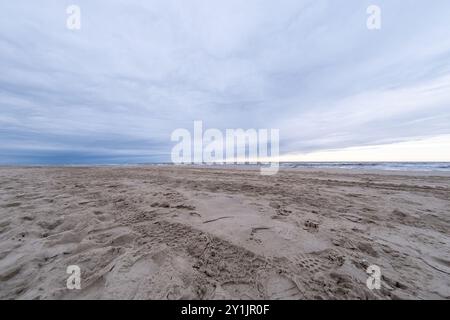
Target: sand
column 164, row 232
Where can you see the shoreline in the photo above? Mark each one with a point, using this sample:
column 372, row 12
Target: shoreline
column 251, row 168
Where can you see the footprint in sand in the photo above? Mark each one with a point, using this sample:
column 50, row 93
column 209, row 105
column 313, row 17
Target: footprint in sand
column 311, row 264
column 279, row 287
column 311, row 226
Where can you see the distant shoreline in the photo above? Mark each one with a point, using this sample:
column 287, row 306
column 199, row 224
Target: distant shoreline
column 403, row 167
column 247, row 167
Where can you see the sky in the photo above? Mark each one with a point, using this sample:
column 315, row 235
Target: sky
column 115, row 90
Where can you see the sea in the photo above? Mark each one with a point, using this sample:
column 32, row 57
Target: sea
column 394, row 166
column 388, row 166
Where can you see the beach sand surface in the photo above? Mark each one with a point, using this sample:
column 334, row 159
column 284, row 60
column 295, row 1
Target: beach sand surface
column 174, row 232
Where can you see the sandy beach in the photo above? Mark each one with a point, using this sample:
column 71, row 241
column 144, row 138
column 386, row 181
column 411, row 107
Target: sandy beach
column 166, row 232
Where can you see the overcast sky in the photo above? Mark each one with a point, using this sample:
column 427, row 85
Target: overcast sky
column 114, row 91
